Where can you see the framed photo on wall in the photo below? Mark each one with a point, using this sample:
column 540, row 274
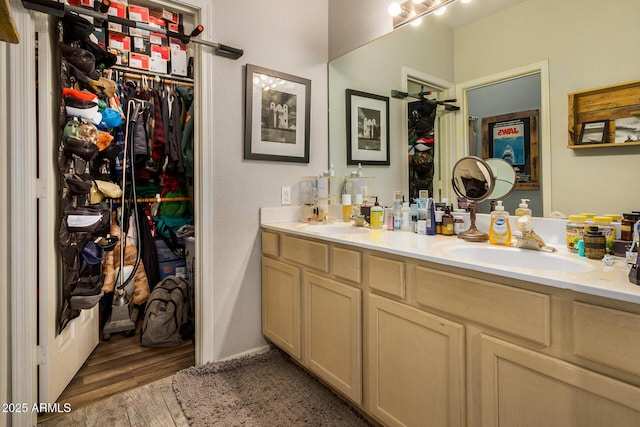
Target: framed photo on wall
column 367, row 128
column 277, row 116
column 594, row 132
column 514, row 138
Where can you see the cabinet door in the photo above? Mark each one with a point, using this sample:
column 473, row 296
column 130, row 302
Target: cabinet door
column 415, row 366
column 332, row 325
column 523, row 388
column 281, row 305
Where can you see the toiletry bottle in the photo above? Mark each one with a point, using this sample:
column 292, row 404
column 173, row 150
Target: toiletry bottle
column 447, row 222
column 414, row 217
column 499, row 228
column 431, row 217
column 376, row 215
column 346, row 207
column 405, row 212
column 523, row 208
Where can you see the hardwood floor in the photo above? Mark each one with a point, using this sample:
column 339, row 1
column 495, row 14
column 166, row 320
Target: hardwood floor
column 154, row 404
column 120, row 365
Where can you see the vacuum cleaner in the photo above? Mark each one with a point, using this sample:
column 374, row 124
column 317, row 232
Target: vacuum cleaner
column 121, row 317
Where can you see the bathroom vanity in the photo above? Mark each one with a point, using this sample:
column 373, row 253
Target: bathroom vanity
column 432, row 330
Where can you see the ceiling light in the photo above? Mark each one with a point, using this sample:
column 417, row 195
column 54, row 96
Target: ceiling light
column 465, row 1
column 394, row 9
column 441, row 10
column 416, row 22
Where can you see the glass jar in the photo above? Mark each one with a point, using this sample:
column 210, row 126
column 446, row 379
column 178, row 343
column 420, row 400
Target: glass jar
column 575, row 231
column 607, row 229
column 594, row 243
column 626, row 226
column 458, row 224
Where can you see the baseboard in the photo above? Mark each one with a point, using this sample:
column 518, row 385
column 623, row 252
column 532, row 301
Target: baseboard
column 252, row 352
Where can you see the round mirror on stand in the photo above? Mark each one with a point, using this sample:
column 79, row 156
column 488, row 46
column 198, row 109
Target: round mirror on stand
column 477, row 180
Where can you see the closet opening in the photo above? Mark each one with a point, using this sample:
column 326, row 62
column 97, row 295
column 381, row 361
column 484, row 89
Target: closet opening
column 117, row 143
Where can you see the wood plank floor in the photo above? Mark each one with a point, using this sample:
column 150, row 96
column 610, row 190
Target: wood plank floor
column 153, row 404
column 119, row 365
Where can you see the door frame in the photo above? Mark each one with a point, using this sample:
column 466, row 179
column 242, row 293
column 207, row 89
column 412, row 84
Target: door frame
column 444, row 131
column 20, row 152
column 542, row 68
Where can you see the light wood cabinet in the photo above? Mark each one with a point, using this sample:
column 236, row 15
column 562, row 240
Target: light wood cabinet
column 524, row 388
column 416, row 366
column 417, row 343
column 332, row 327
column 281, row 305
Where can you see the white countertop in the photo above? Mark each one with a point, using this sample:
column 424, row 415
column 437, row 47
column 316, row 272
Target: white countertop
column 595, row 277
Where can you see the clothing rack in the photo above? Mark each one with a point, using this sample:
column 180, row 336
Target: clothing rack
column 156, row 199
column 55, row 8
column 158, row 78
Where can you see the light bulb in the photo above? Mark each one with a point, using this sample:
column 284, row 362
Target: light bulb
column 465, row 1
column 416, row 22
column 441, row 10
column 394, row 9
column 418, row 1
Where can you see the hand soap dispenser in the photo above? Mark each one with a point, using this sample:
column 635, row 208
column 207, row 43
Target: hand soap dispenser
column 523, row 208
column 499, row 229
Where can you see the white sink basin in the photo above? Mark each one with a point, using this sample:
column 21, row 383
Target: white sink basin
column 518, row 258
column 336, row 228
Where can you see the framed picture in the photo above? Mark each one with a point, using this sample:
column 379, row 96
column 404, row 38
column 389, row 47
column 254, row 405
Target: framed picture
column 514, row 137
column 594, row 132
column 628, row 129
column 277, row 107
column 367, row 128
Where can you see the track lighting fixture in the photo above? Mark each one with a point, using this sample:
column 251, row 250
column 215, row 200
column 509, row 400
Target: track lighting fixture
column 412, row 11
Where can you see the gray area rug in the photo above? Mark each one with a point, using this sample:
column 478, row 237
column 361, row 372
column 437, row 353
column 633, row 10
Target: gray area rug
column 266, row 389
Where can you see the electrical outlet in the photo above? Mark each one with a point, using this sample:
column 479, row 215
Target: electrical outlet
column 286, row 195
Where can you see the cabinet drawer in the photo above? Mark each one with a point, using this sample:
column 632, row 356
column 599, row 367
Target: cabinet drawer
column 269, row 243
column 386, row 275
column 306, row 252
column 607, row 336
column 516, row 311
column 346, row 264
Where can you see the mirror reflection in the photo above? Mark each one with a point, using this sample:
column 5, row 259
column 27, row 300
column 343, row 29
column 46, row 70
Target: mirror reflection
column 456, row 53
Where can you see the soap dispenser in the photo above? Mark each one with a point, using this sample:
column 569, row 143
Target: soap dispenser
column 376, row 215
column 523, row 208
column 499, row 228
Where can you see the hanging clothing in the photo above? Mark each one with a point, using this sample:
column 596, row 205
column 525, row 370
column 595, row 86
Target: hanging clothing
column 161, row 117
column 174, row 137
column 186, row 93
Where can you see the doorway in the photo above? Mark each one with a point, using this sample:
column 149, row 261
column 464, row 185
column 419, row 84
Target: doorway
column 463, row 91
column 116, row 365
column 436, row 155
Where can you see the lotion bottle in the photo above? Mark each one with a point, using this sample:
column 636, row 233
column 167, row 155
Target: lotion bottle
column 499, row 229
column 377, row 220
column 523, row 208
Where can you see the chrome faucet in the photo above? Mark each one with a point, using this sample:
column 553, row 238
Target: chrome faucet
column 359, row 221
column 529, row 238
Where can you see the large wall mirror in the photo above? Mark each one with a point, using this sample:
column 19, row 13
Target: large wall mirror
column 580, row 44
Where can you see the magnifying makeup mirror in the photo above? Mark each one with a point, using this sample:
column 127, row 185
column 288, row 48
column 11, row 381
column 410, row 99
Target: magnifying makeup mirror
column 477, row 180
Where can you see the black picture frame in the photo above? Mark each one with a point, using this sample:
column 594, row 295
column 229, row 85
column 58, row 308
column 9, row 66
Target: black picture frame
column 594, row 132
column 277, row 116
column 367, row 128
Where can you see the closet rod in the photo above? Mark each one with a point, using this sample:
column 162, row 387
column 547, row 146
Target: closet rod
column 55, row 8
column 155, row 199
column 158, row 78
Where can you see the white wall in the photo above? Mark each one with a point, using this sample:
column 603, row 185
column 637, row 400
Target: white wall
column 354, row 23
column 284, row 35
column 588, row 44
column 367, row 70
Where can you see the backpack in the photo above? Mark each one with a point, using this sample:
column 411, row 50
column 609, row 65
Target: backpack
column 166, row 317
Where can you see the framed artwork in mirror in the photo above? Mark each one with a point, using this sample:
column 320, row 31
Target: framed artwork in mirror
column 277, row 116
column 367, row 128
column 594, row 132
column 513, row 137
